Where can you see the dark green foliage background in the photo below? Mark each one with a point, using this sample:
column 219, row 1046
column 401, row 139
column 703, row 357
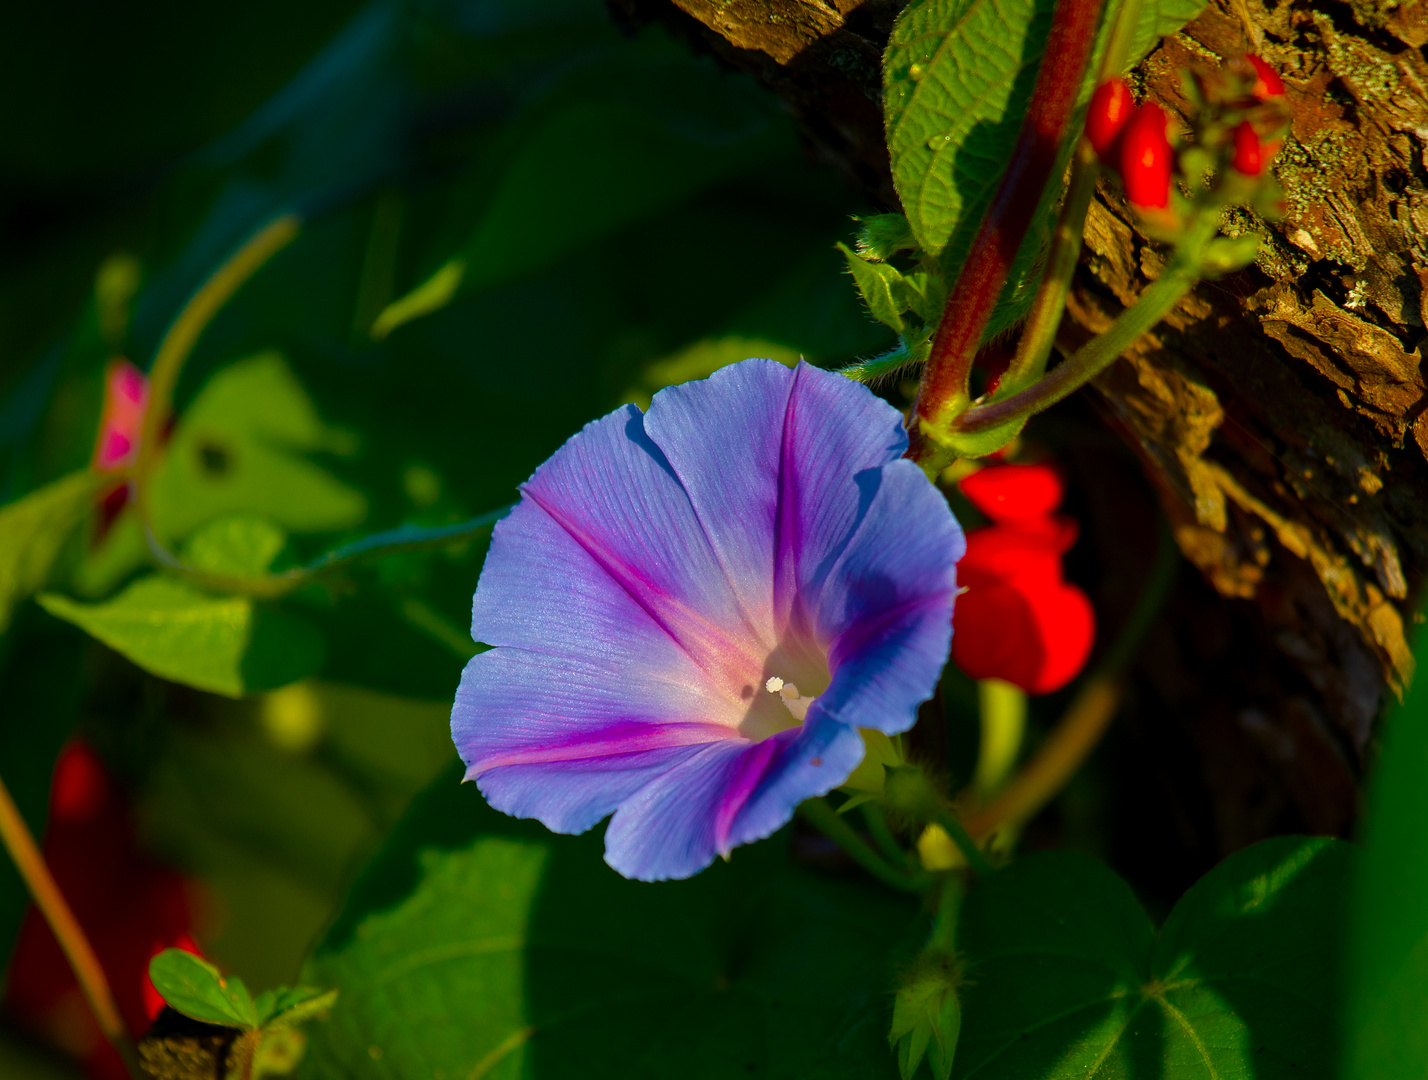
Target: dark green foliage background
column 541, row 218
column 407, row 134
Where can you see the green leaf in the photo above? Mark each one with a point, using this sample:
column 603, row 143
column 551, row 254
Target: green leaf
column 238, row 449
column 477, row 945
column 238, row 546
column 224, row 644
column 881, row 236
column 1388, row 935
column 1065, row 976
column 194, row 987
column 927, row 1015
column 294, row 1005
column 957, row 77
column 882, row 288
column 34, row 528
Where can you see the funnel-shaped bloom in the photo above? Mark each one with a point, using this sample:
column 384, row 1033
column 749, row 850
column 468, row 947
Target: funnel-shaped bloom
column 694, row 610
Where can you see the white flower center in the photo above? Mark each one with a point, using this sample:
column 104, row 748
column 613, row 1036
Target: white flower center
column 793, row 701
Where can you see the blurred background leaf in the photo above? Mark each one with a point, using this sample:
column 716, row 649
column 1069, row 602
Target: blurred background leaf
column 627, row 215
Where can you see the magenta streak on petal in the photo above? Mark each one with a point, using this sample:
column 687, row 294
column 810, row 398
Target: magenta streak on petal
column 632, row 738
column 750, row 770
column 709, row 642
column 788, row 614
column 866, row 630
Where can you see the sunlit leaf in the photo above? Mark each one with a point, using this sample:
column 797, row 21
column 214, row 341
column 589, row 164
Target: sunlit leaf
column 239, row 448
column 882, row 287
column 294, row 1005
column 32, row 531
column 240, row 545
column 196, row 988
column 957, row 78
column 224, row 644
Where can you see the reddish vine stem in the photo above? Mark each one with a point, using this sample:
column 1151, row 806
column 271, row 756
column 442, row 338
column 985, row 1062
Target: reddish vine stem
column 971, row 300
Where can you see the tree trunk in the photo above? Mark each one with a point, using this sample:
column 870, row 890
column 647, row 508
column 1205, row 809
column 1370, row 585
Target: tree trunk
column 1278, row 414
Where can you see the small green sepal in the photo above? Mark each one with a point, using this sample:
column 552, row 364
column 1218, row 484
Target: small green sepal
column 191, row 985
column 881, row 236
column 927, row 1015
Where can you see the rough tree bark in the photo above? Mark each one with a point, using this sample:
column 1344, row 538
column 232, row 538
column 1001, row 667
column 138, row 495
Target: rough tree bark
column 1281, row 415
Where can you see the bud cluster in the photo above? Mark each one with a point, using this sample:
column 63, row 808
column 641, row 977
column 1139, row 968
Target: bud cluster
column 1237, row 123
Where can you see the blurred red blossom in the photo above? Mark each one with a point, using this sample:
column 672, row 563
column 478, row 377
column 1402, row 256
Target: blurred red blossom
column 129, row 906
column 126, row 394
column 1019, row 620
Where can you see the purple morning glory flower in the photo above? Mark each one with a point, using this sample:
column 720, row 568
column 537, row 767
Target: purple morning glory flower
column 693, row 611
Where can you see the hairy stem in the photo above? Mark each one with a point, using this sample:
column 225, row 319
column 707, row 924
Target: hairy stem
column 1089, row 715
column 972, row 298
column 45, row 893
column 949, row 909
column 1090, row 360
column 826, row 820
column 1039, row 335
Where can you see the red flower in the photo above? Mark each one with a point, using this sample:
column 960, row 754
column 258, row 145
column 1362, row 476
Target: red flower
column 1018, row 619
column 129, row 906
column 1111, row 108
column 1146, row 158
column 1249, row 152
column 1267, row 83
column 126, row 394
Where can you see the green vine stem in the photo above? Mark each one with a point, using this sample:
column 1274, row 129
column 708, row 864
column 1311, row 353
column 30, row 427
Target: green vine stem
column 1002, row 710
column 1039, row 335
column 970, row 301
column 178, row 344
column 826, row 820
column 46, row 894
column 952, row 825
column 1092, row 358
column 396, row 541
column 949, row 910
column 882, row 833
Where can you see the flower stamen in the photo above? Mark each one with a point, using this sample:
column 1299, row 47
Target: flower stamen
column 793, row 701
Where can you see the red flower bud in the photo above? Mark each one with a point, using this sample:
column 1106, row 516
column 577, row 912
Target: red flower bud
column 1111, row 108
column 1145, row 157
column 1267, row 82
column 1249, row 154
